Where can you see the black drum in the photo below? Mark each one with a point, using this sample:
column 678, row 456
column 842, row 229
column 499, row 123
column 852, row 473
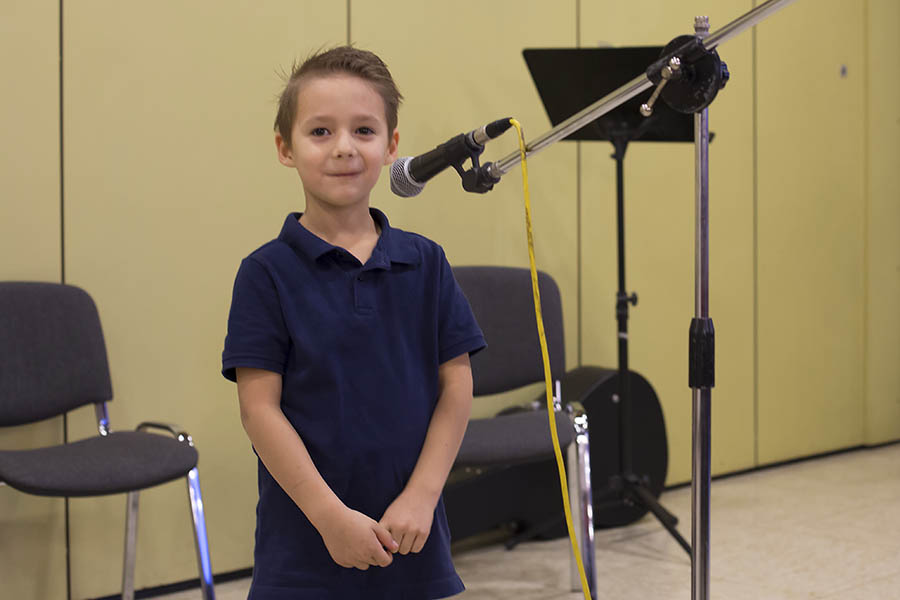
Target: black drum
column 525, row 499
column 649, row 446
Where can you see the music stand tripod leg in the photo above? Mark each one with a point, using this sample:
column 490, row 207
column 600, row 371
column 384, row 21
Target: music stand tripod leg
column 666, row 519
column 632, row 488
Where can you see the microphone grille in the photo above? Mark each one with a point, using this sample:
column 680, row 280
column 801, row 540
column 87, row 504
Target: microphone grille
column 402, row 182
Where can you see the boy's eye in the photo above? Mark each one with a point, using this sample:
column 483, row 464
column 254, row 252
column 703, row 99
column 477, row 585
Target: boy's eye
column 366, row 130
column 319, row 131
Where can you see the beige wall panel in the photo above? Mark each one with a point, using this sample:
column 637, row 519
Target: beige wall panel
column 460, row 66
column 32, row 529
column 172, row 179
column 659, row 238
column 29, row 122
column 883, row 243
column 811, row 212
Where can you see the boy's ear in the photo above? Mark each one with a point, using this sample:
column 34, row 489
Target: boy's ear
column 285, row 153
column 393, row 146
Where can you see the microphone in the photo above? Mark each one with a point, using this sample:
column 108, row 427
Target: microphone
column 409, row 174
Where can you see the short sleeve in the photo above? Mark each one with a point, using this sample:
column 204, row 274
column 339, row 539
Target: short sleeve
column 458, row 330
column 257, row 336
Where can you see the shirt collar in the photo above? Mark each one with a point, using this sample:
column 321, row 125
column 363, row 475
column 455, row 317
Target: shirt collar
column 392, row 246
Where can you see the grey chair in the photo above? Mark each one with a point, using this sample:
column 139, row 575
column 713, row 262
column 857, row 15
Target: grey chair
column 54, row 360
column 501, row 299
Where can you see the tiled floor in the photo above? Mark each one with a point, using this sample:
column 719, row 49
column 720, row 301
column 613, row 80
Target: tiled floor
column 826, row 528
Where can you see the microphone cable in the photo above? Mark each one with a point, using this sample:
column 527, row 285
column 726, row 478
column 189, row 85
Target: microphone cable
column 545, row 355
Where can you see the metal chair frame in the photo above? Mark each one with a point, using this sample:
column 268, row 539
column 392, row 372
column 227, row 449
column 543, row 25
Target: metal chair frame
column 581, row 498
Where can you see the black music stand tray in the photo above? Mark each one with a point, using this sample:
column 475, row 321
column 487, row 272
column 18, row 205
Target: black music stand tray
column 568, row 80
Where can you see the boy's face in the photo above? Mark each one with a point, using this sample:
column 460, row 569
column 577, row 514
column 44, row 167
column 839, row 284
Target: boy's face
column 340, row 140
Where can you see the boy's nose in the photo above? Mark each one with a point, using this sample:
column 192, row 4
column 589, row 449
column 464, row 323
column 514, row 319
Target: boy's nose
column 344, row 145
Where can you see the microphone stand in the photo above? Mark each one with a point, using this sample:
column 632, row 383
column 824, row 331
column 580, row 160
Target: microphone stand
column 688, row 76
column 632, row 88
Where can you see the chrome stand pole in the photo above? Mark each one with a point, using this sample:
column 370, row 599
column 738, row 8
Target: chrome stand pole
column 701, row 430
column 702, row 359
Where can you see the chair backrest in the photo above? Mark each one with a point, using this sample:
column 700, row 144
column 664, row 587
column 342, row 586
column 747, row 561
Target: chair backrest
column 52, row 354
column 502, row 301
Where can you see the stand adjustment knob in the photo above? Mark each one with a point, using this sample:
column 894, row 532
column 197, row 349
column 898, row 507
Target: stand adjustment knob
column 726, row 75
column 622, row 299
column 670, row 71
column 701, row 26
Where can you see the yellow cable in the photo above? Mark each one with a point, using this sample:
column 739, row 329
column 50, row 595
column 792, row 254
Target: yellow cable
column 547, row 376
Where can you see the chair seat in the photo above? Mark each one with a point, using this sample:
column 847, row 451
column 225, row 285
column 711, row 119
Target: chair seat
column 514, row 438
column 119, row 462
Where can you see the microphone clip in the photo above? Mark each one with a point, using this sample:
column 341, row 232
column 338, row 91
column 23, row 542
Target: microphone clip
column 477, row 179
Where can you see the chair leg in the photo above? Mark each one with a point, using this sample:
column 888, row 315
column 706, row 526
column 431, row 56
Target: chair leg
column 579, row 467
column 200, row 539
column 131, row 517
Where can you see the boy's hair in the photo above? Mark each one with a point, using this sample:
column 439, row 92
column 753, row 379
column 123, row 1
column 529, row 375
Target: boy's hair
column 340, row 60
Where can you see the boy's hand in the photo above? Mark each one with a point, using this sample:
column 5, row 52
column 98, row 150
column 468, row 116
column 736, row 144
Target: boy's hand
column 355, row 540
column 408, row 519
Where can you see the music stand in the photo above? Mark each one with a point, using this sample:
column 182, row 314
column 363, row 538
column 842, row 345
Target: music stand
column 568, row 80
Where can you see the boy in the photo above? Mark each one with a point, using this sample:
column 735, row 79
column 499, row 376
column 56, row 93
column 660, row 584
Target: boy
column 349, row 341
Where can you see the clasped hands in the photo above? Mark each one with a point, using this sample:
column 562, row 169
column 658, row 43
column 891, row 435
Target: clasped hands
column 354, row 540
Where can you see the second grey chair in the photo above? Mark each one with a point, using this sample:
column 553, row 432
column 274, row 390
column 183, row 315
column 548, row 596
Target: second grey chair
column 502, row 301
column 53, row 361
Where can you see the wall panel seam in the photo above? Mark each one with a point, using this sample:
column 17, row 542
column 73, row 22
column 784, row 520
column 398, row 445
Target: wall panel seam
column 578, row 258
column 755, row 119
column 864, row 384
column 62, row 181
column 62, row 267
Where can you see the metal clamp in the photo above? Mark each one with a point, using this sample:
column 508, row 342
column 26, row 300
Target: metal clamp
column 670, row 71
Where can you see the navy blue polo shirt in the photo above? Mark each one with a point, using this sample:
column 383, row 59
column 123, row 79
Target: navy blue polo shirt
column 358, row 347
